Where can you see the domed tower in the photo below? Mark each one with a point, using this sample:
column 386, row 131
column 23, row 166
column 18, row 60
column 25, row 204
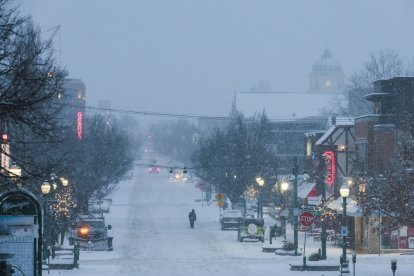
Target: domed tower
column 326, row 75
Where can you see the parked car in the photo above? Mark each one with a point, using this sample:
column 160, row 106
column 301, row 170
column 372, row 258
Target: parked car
column 231, row 219
column 251, row 228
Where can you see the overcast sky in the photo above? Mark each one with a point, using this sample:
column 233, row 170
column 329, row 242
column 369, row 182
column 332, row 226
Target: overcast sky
column 190, row 56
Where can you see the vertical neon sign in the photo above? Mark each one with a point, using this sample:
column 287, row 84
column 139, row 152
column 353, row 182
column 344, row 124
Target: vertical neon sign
column 330, row 170
column 79, row 126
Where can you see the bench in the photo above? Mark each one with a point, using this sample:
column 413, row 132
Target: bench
column 64, row 257
column 313, row 267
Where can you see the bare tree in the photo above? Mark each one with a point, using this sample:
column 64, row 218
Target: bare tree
column 384, row 64
column 30, row 81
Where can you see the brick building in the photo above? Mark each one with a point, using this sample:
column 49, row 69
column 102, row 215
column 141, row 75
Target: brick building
column 379, row 137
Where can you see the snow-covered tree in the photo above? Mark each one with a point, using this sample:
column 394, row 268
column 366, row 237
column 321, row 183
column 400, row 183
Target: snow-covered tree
column 100, row 160
column 390, row 194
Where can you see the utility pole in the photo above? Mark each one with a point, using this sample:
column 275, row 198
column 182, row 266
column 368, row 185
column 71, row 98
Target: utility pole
column 295, row 207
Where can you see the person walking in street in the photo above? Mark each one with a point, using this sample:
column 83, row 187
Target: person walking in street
column 192, row 217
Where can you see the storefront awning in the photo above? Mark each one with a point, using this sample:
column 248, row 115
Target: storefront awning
column 306, row 189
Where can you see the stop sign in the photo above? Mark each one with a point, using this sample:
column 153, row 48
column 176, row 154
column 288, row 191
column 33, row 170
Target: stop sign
column 306, row 218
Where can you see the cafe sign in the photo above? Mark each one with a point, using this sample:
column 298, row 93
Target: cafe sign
column 17, row 204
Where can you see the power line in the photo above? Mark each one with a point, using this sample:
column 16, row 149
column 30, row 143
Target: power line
column 291, row 92
column 157, row 114
column 313, row 119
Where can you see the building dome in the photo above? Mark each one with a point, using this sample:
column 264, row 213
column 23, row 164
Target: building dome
column 326, row 75
column 326, row 63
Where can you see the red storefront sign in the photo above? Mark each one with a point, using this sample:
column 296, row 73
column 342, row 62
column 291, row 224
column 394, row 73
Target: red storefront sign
column 330, row 170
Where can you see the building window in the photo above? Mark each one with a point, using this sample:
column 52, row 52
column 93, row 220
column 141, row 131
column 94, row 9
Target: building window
column 308, row 148
column 362, row 154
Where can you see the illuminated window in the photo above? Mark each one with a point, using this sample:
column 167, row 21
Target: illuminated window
column 308, row 148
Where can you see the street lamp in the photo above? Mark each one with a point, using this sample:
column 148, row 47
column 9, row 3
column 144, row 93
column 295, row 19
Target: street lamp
column 284, row 186
column 45, row 187
column 344, row 191
column 260, row 181
column 64, row 181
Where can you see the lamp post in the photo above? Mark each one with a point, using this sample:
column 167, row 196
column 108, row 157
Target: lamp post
column 295, row 206
column 45, row 188
column 344, row 191
column 260, row 181
column 284, row 186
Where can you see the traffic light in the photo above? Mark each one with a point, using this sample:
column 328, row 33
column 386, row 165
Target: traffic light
column 185, row 170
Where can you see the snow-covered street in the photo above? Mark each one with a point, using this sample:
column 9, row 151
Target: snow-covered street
column 152, row 237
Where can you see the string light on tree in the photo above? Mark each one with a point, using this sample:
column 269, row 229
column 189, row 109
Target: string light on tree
column 64, row 204
column 326, row 213
column 251, row 192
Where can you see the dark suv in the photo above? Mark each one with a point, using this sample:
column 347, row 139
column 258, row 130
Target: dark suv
column 251, row 228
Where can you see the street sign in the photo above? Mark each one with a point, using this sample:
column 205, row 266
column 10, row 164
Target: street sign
column 220, row 197
column 220, row 203
column 306, row 219
column 344, row 231
column 296, row 211
column 284, row 213
column 202, row 186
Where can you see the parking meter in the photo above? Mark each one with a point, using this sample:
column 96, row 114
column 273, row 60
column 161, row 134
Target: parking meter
column 353, row 263
column 393, row 265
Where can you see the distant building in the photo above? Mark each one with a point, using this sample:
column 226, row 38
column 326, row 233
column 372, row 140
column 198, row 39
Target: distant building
column 104, row 107
column 293, row 114
column 73, row 99
column 326, row 75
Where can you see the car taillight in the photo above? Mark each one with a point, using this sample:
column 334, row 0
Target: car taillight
column 150, row 169
column 158, row 169
column 84, row 231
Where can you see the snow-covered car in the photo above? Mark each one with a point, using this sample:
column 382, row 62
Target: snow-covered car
column 251, row 228
column 231, row 219
column 153, row 168
column 178, row 175
column 91, row 233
